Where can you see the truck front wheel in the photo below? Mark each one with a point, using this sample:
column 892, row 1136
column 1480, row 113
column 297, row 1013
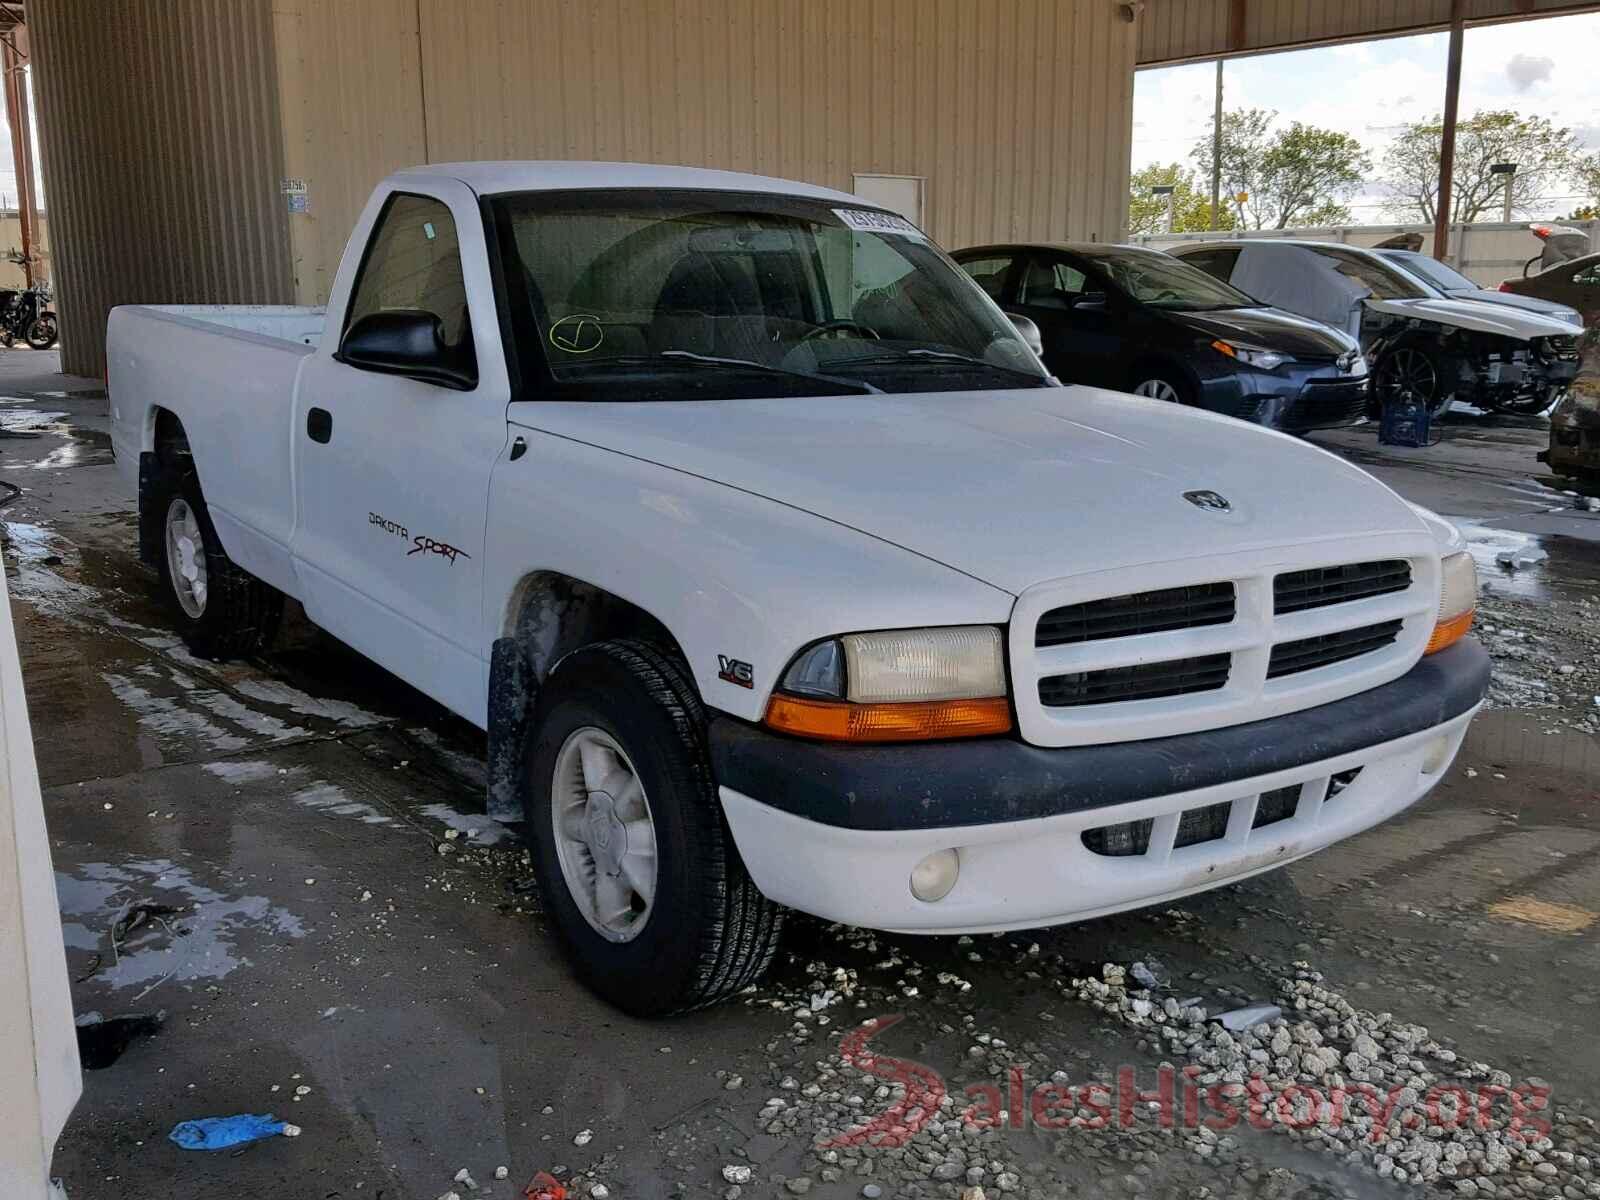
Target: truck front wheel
column 635, row 861
column 221, row 609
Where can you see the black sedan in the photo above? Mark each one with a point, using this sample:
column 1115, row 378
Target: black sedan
column 1141, row 321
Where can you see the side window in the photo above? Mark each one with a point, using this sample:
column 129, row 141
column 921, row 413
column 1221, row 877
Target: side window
column 1050, row 283
column 414, row 262
column 1216, row 263
column 990, row 273
column 1588, row 277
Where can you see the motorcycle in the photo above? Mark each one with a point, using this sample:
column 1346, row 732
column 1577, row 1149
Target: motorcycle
column 24, row 317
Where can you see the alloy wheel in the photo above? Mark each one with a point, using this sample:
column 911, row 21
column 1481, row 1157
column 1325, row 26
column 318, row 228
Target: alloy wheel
column 186, row 558
column 605, row 836
column 1157, row 389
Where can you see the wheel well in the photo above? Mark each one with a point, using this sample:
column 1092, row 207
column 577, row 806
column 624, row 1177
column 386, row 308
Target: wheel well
column 548, row 616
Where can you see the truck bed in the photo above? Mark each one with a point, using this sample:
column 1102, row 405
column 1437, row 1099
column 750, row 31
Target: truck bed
column 301, row 324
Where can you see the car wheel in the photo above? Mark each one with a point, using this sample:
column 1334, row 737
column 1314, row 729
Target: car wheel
column 633, row 855
column 1161, row 387
column 221, row 609
column 1412, row 371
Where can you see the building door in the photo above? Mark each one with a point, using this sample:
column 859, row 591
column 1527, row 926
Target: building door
column 897, row 193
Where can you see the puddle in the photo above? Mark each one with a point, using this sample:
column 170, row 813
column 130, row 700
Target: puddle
column 342, row 712
column 326, row 798
column 199, row 941
column 1568, row 567
column 79, row 447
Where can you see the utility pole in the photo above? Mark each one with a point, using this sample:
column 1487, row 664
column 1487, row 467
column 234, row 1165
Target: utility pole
column 1216, row 152
column 1169, row 191
column 1507, row 173
column 1447, row 135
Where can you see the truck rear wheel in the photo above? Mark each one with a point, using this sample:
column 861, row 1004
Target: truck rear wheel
column 221, row 609
column 634, row 858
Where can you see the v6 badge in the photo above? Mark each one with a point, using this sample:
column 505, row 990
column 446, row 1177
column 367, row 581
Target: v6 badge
column 735, row 671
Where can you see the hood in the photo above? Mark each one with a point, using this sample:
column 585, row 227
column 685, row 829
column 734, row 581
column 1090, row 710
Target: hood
column 1009, row 487
column 1533, row 304
column 1271, row 329
column 1475, row 314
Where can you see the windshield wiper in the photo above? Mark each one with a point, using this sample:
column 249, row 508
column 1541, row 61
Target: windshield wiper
column 859, row 385
column 941, row 355
column 688, row 358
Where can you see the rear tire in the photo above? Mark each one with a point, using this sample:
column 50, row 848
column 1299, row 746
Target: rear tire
column 221, row 610
column 691, row 930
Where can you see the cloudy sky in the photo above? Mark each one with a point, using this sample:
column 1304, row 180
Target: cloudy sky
column 1545, row 67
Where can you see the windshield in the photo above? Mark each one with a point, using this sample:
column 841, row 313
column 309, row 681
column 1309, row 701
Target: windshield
column 691, row 295
column 1162, row 281
column 1430, row 270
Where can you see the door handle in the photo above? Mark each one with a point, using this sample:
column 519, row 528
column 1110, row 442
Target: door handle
column 319, row 425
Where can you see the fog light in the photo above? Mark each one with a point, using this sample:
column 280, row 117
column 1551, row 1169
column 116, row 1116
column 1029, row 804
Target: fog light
column 1436, row 756
column 934, row 876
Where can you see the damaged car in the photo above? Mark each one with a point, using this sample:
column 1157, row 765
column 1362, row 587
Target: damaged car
column 1420, row 342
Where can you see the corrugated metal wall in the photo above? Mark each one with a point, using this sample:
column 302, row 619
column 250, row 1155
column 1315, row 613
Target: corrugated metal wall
column 162, row 154
column 1017, row 112
column 1176, row 30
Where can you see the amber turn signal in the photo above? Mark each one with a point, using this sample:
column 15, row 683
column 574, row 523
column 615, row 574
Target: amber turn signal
column 840, row 721
column 1448, row 633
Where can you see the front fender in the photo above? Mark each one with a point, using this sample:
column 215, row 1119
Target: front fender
column 732, row 576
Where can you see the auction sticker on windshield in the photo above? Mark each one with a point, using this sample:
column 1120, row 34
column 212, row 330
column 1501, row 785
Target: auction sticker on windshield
column 868, row 221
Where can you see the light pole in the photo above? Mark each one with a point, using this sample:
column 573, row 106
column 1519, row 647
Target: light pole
column 1167, row 190
column 1507, row 172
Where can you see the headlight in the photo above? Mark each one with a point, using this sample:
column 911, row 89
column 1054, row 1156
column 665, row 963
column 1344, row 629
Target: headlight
column 902, row 685
column 1251, row 356
column 1458, row 599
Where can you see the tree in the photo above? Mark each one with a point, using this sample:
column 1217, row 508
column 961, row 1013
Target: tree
column 1545, row 155
column 1299, row 176
column 1191, row 206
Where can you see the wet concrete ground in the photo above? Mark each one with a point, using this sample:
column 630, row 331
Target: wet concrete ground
column 261, row 856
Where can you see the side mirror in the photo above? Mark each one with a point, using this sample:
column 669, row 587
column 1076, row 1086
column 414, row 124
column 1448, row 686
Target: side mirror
column 411, row 343
column 1029, row 333
column 1090, row 301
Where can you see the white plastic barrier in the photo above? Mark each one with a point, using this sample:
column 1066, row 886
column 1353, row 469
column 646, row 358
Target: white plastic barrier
column 40, row 1079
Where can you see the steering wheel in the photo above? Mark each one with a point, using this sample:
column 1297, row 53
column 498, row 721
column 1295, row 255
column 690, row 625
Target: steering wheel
column 839, row 326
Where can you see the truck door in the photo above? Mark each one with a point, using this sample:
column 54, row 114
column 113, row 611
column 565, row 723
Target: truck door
column 393, row 462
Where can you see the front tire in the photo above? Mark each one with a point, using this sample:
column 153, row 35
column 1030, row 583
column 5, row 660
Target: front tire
column 1162, row 385
column 1411, row 370
column 221, row 610
column 633, row 855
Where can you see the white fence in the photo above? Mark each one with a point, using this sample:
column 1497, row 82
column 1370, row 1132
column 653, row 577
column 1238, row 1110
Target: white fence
column 1486, row 252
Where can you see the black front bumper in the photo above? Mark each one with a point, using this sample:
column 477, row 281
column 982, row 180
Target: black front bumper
column 943, row 784
column 1296, row 397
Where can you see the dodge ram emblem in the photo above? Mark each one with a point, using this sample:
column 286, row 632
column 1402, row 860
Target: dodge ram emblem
column 1212, row 500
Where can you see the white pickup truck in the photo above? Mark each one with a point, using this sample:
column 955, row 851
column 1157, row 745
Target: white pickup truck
column 782, row 575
